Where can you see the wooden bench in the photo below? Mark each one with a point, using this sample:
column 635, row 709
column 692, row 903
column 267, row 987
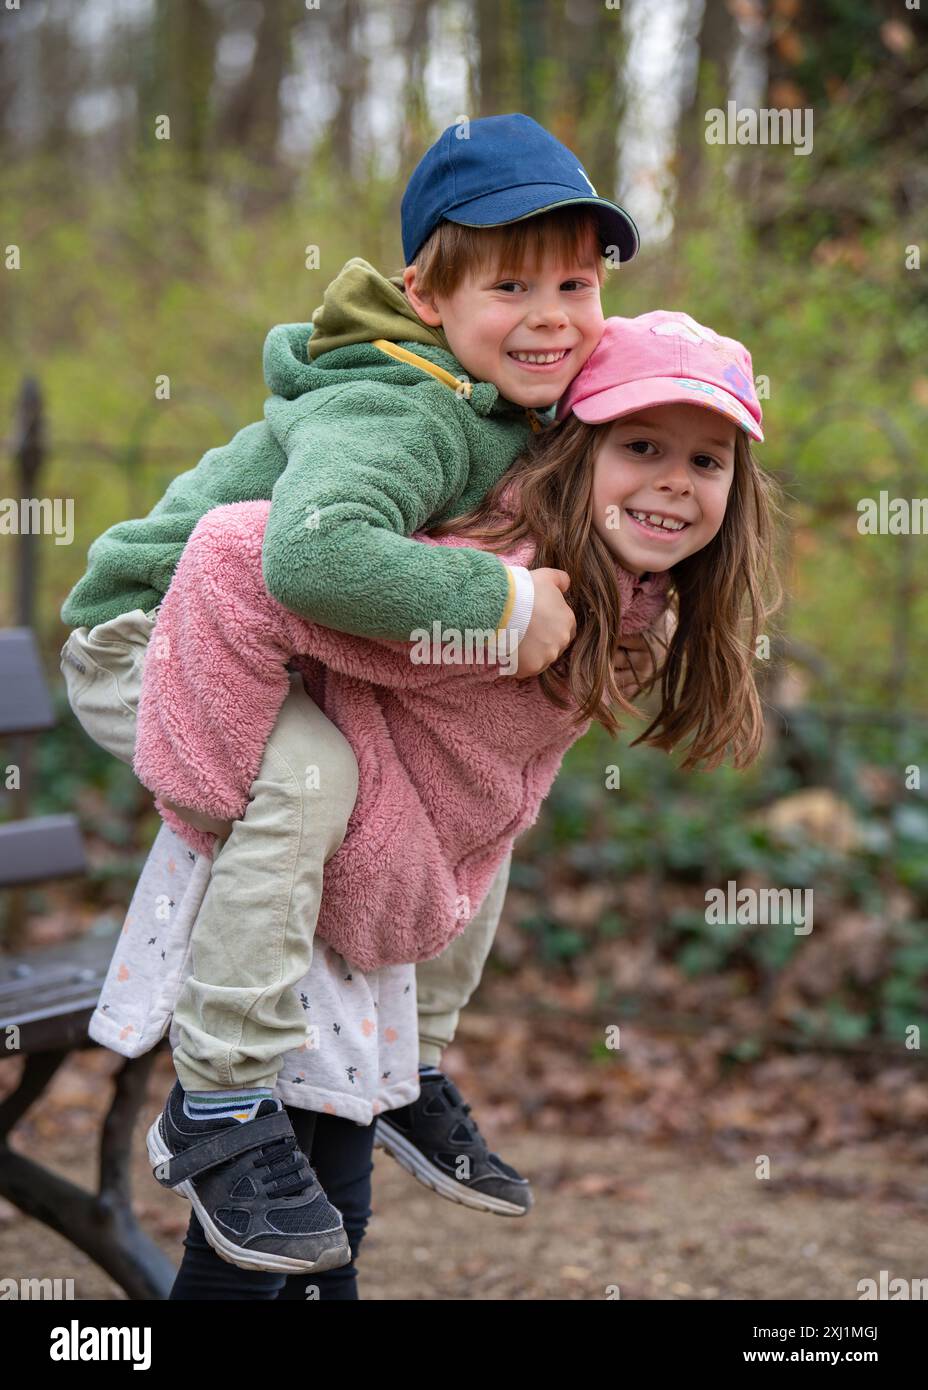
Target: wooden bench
column 47, row 996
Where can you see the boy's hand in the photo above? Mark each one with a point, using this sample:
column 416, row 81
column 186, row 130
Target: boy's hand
column 552, row 626
column 638, row 661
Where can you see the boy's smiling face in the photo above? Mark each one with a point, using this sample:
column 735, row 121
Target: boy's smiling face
column 528, row 329
column 677, row 461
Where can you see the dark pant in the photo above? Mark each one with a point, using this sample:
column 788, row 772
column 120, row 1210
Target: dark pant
column 340, row 1151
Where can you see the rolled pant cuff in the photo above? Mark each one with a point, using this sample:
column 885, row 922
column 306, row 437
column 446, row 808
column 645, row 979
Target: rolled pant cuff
column 193, row 1080
column 429, row 1053
column 436, row 1032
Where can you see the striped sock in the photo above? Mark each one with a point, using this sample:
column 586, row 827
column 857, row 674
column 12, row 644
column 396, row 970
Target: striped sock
column 426, row 1069
column 239, row 1104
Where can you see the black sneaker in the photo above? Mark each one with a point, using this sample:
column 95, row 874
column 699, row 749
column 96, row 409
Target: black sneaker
column 429, row 1138
column 258, row 1200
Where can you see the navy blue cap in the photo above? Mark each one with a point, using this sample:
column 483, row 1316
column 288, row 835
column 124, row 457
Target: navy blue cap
column 499, row 169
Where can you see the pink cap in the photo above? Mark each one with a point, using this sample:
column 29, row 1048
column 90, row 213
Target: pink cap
column 659, row 359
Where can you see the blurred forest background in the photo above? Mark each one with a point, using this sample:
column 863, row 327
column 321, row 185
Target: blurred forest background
column 293, row 126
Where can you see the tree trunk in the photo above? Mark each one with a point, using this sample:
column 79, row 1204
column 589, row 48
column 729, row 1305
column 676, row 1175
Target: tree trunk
column 185, row 49
column 715, row 47
column 490, row 66
column 414, row 43
column 252, row 119
column 349, row 69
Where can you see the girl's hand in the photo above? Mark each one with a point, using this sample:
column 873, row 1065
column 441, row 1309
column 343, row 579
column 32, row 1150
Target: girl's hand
column 199, row 821
column 641, row 656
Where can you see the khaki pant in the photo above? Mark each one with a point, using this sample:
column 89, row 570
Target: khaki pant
column 238, row 1012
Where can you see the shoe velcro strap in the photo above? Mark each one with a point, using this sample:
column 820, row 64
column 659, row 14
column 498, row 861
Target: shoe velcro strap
column 222, row 1145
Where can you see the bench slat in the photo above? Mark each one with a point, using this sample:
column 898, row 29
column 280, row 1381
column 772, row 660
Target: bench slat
column 16, row 977
column 39, row 848
column 51, row 991
column 38, row 1000
column 25, row 704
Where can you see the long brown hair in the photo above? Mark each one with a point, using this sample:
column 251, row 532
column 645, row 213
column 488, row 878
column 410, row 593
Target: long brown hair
column 707, row 684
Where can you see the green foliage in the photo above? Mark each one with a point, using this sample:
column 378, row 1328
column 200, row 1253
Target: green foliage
column 700, row 830
column 555, row 942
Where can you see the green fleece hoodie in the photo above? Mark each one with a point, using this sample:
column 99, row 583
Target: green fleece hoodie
column 361, row 444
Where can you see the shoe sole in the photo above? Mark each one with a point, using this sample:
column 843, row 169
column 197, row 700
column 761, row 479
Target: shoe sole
column 415, row 1162
column 339, row 1255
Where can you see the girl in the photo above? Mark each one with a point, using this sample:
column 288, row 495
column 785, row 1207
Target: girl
column 646, row 489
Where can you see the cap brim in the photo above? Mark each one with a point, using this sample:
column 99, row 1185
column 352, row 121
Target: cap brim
column 633, row 396
column 529, row 199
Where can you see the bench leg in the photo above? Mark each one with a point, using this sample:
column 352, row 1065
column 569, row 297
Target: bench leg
column 101, row 1224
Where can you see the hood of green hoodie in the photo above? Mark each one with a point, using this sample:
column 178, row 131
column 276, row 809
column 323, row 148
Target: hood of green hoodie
column 361, row 305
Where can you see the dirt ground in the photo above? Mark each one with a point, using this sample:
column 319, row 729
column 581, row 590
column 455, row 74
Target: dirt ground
column 659, row 1221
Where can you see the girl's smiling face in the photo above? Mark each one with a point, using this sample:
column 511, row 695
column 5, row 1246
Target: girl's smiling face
column 677, row 461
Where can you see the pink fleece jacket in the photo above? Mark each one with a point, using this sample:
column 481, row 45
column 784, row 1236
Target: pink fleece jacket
column 454, row 760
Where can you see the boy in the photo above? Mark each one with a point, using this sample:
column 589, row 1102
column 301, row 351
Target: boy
column 408, row 406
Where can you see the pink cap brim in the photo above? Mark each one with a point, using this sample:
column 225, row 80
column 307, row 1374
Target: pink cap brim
column 633, row 396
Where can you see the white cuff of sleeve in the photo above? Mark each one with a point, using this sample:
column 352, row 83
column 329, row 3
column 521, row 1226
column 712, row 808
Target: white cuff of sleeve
column 521, row 614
